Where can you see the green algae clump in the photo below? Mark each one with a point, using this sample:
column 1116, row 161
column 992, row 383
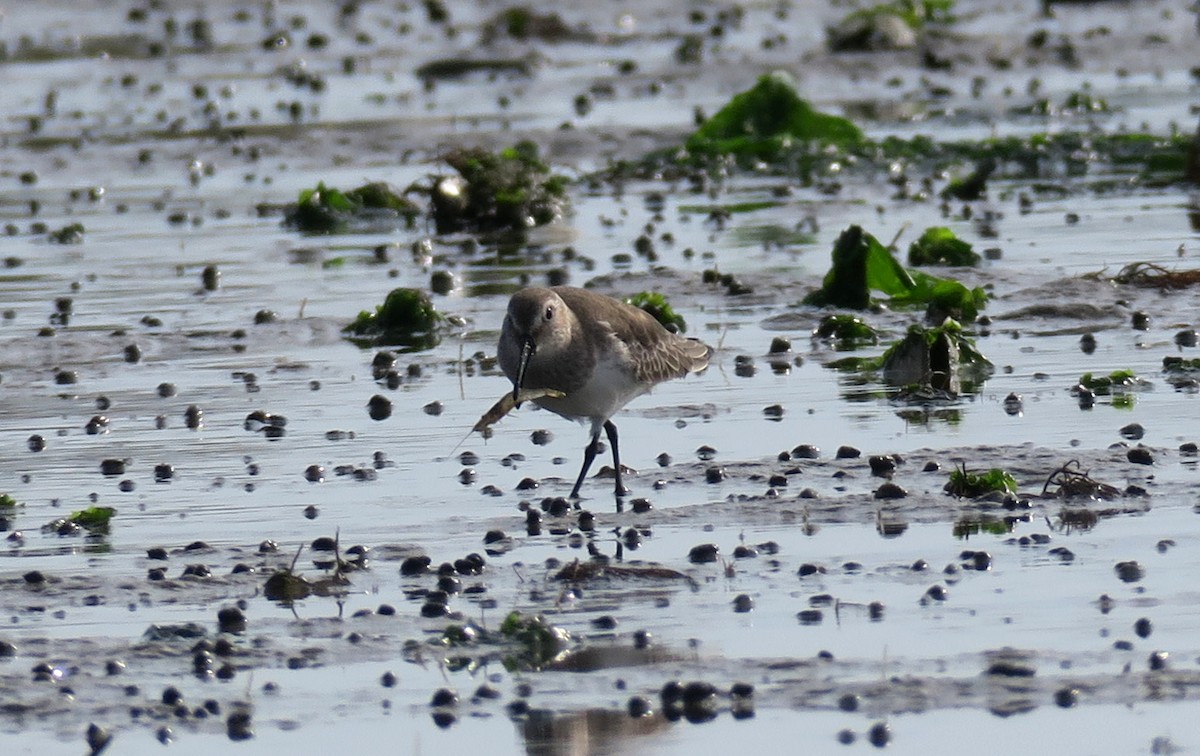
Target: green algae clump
column 768, row 119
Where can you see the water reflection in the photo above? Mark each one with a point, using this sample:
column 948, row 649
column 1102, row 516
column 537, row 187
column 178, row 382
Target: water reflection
column 591, row 731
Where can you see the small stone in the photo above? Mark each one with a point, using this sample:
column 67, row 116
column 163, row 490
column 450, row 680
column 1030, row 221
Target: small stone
column 704, row 553
column 1140, row 455
column 1133, row 431
column 1066, row 697
column 1130, row 571
column 890, row 490
column 1143, row 628
column 879, row 735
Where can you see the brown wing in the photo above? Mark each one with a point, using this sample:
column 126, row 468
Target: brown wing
column 655, row 353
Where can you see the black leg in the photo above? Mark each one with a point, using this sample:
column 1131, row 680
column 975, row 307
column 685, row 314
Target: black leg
column 611, row 430
column 589, row 453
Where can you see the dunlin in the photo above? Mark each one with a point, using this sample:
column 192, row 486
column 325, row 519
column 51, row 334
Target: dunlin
column 599, row 352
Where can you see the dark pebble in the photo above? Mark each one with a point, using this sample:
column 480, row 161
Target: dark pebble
column 890, row 490
column 806, row 451
column 1133, row 432
column 1129, row 572
column 314, row 473
column 34, row 577
column 639, row 707
column 112, row 467
column 156, row 553
column 880, row 734
column 239, row 726
column 882, row 466
column 742, row 603
column 848, row 702
column 642, row 639
column 36, row 443
column 388, row 679
column 379, row 407
column 848, row 452
column 714, row 474
column 164, row 472
column 415, row 565
column 324, row 544
column 671, row 693
column 1158, row 661
column 97, row 738
column 704, row 553
column 1066, row 697
column 231, row 620
column 444, row 697
column 810, row 616
column 1143, row 628
column 1140, row 455
column 807, row 569
column 937, row 593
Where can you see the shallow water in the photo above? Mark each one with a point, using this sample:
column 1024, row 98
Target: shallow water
column 176, row 199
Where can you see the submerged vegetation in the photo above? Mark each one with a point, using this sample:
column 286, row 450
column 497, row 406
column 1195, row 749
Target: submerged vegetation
column 940, row 246
column 862, row 265
column 846, row 331
column 969, row 485
column 767, row 120
column 658, row 306
column 927, row 363
column 507, row 190
column 1115, row 382
column 503, row 191
column 407, row 318
column 324, row 210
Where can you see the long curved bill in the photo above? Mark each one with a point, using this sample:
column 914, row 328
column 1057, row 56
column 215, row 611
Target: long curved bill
column 527, row 350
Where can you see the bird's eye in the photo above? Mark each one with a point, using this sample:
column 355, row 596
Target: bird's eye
column 549, row 313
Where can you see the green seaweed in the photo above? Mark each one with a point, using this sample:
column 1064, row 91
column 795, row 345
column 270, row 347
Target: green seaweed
column 971, row 485
column 507, row 190
column 7, row 502
column 865, row 29
column 658, row 306
column 768, row 119
column 915, row 13
column 539, row 642
column 407, row 318
column 927, row 364
column 940, row 246
column 848, row 331
column 93, row 519
column 325, row 210
column 861, row 265
column 69, row 234
column 1118, row 381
